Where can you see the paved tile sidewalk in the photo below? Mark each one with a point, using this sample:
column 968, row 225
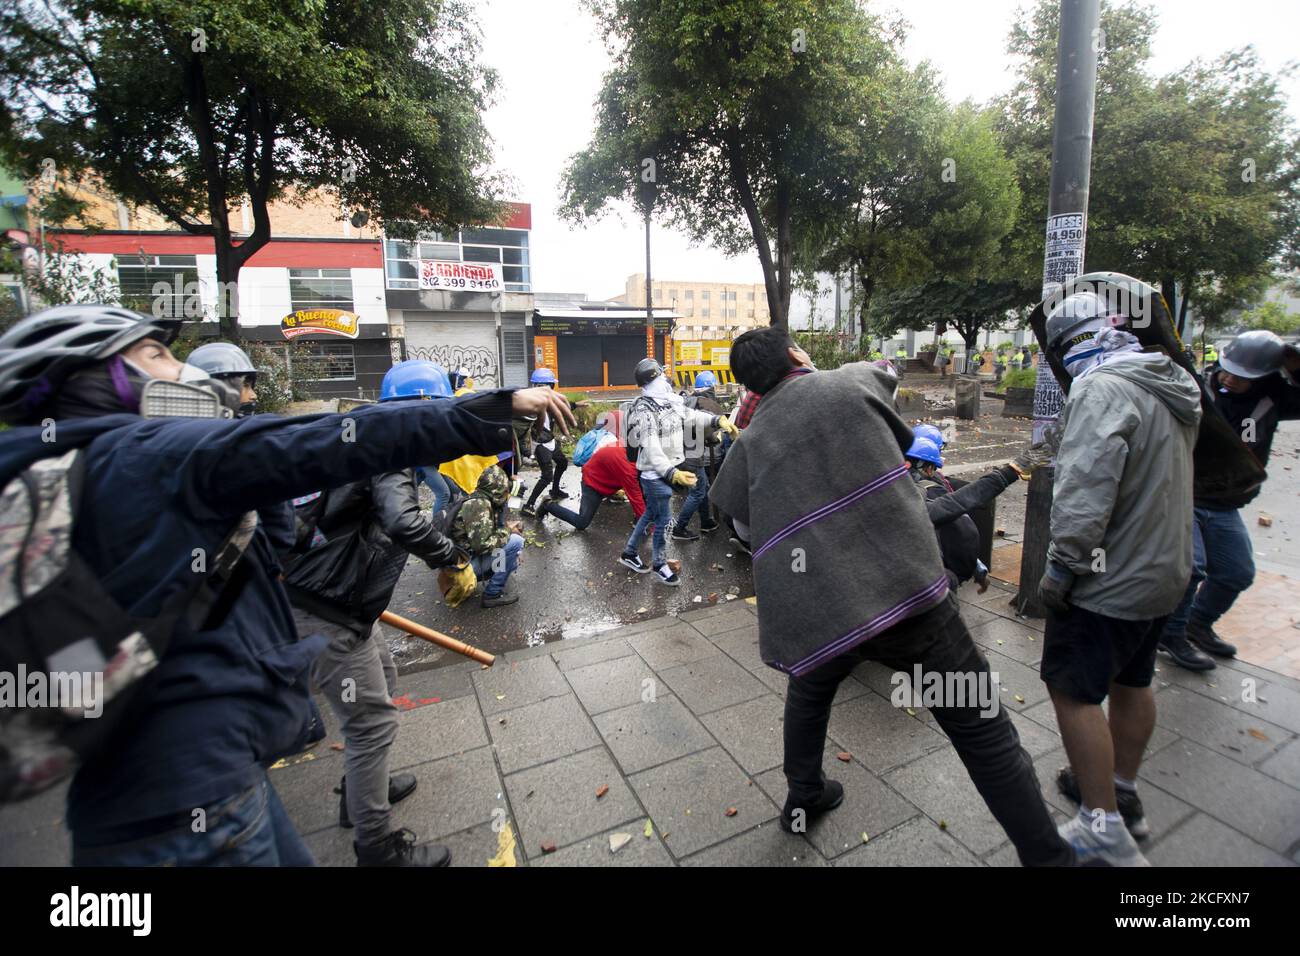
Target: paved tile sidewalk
column 680, row 720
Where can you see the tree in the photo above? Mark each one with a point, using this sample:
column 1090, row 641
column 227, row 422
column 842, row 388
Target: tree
column 968, row 305
column 191, row 107
column 1194, row 183
column 1273, row 317
column 745, row 115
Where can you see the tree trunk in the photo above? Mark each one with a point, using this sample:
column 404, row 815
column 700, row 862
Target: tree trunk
column 784, row 254
column 1168, row 290
column 228, row 266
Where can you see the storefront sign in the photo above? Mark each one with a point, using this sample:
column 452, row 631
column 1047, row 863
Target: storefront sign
column 320, row 322
column 543, row 325
column 460, row 276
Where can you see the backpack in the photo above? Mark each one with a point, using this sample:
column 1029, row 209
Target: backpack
column 587, row 446
column 62, row 631
column 626, row 409
column 445, row 520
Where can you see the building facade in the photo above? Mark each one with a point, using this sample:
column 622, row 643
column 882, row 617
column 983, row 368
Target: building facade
column 706, row 310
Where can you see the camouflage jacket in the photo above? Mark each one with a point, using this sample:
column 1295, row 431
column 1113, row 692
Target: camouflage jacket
column 477, row 527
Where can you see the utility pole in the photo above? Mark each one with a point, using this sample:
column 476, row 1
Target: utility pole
column 1080, row 41
column 649, row 306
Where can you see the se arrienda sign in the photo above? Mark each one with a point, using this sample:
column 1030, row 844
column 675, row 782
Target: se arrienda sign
column 469, row 276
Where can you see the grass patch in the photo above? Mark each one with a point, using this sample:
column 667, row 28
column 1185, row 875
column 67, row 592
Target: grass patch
column 1018, row 378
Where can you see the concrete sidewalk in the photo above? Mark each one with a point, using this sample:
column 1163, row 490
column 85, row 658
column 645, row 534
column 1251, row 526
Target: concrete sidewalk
column 680, row 720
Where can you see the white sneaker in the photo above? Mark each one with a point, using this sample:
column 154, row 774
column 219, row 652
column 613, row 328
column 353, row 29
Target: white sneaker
column 1115, row 847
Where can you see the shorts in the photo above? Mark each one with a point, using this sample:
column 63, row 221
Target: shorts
column 1085, row 652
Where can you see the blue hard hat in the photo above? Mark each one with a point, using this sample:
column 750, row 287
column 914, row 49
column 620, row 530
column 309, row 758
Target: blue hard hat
column 930, row 432
column 706, row 380
column 924, row 449
column 415, row 378
column 543, row 376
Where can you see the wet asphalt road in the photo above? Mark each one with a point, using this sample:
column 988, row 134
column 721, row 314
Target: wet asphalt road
column 570, row 584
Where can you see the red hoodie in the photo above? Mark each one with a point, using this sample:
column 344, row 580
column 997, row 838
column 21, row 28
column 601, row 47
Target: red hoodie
column 609, row 470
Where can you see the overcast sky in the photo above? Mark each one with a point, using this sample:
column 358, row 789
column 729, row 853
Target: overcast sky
column 551, row 61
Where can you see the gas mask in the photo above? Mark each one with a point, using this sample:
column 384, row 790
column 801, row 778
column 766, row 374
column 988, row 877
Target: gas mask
column 194, row 396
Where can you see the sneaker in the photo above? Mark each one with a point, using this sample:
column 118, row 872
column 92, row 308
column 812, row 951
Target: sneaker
column 528, row 511
column 558, row 494
column 634, row 562
column 832, row 796
column 1184, row 654
column 706, row 527
column 1101, row 849
column 400, row 786
column 682, row 534
column 1130, row 805
column 1203, row 636
column 399, row 849
column 665, row 575
column 741, row 544
column 498, row 600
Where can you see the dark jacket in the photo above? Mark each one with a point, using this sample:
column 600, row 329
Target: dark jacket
column 224, row 700
column 703, row 446
column 843, row 547
column 370, row 527
column 1272, row 399
column 949, row 511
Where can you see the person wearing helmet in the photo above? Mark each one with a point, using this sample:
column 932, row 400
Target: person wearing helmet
column 1210, row 356
column 999, row 366
column 460, row 379
column 606, row 473
column 480, row 529
column 420, row 378
column 656, row 427
column 1254, row 387
column 848, row 570
column 377, row 522
column 550, row 457
column 703, row 448
column 227, row 362
column 229, row 695
column 1118, row 561
column 900, row 360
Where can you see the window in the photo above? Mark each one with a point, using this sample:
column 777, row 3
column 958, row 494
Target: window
column 139, row 276
column 321, row 289
column 750, row 295
column 509, row 247
column 324, row 361
column 690, row 295
column 705, row 295
column 659, row 295
column 704, row 312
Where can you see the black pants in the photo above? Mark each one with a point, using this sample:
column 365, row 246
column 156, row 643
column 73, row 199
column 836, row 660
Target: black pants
column 552, row 464
column 591, row 499
column 988, row 746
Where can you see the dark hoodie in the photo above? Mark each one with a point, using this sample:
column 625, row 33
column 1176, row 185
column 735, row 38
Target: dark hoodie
column 1269, row 401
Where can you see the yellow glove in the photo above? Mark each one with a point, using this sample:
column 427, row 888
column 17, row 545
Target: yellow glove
column 683, row 478
column 457, row 583
column 726, row 425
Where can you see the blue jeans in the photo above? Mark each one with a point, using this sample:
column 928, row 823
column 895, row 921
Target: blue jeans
column 658, row 496
column 699, row 497
column 591, row 499
column 437, row 483
column 500, row 564
column 1223, row 565
column 249, row 829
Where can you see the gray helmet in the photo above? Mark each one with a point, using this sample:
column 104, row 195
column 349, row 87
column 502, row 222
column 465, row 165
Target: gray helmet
column 43, row 350
column 1253, row 354
column 1077, row 319
column 222, row 359
column 647, row 370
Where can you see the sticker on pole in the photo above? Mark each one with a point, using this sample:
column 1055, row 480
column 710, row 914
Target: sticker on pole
column 1064, row 257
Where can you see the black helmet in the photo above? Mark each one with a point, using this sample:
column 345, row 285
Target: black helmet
column 647, row 370
column 43, row 350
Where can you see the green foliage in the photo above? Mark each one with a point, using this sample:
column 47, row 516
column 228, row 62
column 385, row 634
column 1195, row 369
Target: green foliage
column 831, row 350
column 192, row 106
column 68, row 278
column 754, row 115
column 1194, row 178
column 1273, row 317
column 1018, row 378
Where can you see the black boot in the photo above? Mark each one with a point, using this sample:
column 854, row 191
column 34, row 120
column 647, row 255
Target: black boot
column 1203, row 636
column 832, row 796
column 400, row 786
column 399, row 849
column 1184, row 654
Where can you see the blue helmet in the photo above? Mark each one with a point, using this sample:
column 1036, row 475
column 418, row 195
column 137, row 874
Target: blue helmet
column 415, row 378
column 930, row 432
column 924, row 449
column 706, row 380
column 543, row 376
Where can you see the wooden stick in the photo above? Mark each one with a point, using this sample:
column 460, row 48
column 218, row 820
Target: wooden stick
column 436, row 637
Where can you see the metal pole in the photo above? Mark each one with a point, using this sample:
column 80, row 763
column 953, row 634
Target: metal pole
column 1067, row 221
column 649, row 307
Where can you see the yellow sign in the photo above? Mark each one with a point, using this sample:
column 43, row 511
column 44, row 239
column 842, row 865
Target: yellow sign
column 320, row 322
column 707, row 355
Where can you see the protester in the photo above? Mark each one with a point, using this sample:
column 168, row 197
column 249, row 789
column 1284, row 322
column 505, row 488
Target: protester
column 550, row 457
column 848, row 570
column 1256, row 385
column 606, row 472
column 228, row 363
column 359, row 537
column 1118, row 562
column 479, row 527
column 463, row 473
column 655, row 426
column 229, row 695
column 425, row 384
column 702, row 448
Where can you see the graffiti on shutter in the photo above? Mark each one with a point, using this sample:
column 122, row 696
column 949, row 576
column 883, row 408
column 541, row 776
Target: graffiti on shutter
column 481, row 362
